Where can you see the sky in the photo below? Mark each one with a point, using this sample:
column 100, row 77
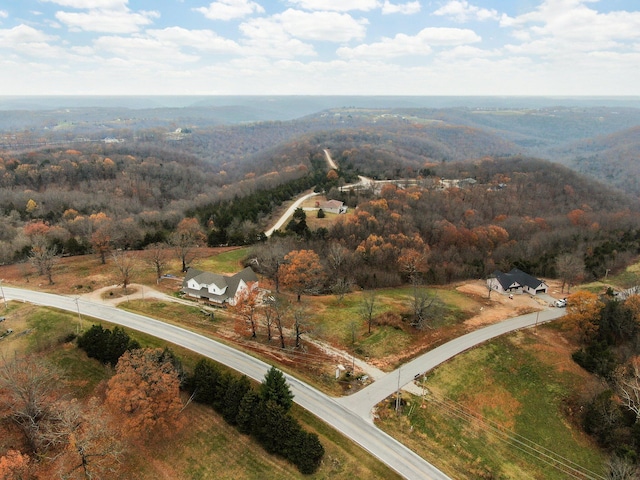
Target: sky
column 320, row 47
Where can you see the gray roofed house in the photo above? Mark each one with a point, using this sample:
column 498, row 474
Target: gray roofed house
column 516, row 281
column 218, row 288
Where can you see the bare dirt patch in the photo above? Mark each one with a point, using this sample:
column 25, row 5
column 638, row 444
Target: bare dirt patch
column 498, row 307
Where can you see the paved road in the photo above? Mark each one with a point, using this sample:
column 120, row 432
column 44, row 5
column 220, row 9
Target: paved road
column 362, row 402
column 351, row 424
column 289, row 213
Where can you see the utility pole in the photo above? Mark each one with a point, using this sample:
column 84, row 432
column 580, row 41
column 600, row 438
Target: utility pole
column 398, row 394
column 79, row 317
column 3, row 297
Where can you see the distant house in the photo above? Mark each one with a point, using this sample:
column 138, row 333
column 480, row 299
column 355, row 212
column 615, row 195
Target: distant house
column 216, row 288
column 332, row 206
column 516, row 281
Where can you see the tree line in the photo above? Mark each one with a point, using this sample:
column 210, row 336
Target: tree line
column 263, row 414
column 607, row 330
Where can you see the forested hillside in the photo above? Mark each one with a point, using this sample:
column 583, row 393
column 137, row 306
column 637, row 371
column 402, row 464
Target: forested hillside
column 140, row 180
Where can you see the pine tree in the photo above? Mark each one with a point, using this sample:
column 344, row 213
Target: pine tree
column 274, row 387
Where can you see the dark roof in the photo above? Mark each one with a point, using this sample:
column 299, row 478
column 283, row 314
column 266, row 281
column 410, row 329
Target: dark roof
column 517, row 276
column 208, row 278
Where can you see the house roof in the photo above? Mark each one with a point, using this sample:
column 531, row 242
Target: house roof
column 205, row 278
column 332, row 204
column 517, row 276
column 221, row 281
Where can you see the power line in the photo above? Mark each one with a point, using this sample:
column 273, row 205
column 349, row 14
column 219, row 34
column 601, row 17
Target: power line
column 516, row 440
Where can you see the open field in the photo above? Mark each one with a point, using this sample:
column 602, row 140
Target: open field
column 206, row 448
column 483, row 403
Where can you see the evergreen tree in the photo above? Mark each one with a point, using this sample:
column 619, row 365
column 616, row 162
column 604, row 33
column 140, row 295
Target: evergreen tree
column 236, row 390
column 204, row 382
column 274, row 387
column 246, row 416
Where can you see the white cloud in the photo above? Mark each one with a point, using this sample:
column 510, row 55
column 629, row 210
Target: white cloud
column 266, row 37
column 230, row 9
column 337, row 5
column 409, row 8
column 420, row 44
column 140, row 50
column 285, row 35
column 112, row 21
column 23, row 34
column 461, row 11
column 92, row 4
column 202, row 40
column 327, row 26
column 4, row 14
column 558, row 26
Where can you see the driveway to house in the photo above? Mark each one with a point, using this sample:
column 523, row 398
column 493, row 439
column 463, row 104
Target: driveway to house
column 388, row 450
column 349, row 415
column 363, row 401
column 285, row 216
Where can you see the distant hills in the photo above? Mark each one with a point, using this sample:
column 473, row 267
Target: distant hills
column 391, row 135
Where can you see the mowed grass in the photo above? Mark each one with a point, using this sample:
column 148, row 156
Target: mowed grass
column 227, row 262
column 341, row 323
column 205, row 447
column 209, row 449
column 519, row 385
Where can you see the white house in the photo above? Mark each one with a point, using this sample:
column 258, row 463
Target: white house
column 516, row 281
column 218, row 288
column 332, row 206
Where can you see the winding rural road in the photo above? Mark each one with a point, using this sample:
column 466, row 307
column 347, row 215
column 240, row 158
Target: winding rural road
column 348, row 415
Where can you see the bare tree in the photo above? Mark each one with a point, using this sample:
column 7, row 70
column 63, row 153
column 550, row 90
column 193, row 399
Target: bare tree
column 44, row 258
column 628, row 387
column 94, row 448
column 280, row 307
column 125, row 263
column 341, row 287
column 268, row 315
column 570, row 268
column 368, row 306
column 187, row 236
column 158, row 258
column 337, row 256
column 420, row 304
column 301, row 324
column 269, row 258
column 28, row 396
column 621, row 469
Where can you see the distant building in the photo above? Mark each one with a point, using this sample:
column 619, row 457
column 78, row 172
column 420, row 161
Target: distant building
column 216, row 288
column 516, row 281
column 332, row 206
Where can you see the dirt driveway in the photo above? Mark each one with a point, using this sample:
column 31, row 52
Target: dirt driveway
column 500, row 307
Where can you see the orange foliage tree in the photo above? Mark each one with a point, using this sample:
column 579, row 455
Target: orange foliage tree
column 583, row 312
column 247, row 308
column 14, row 466
column 146, row 389
column 302, row 272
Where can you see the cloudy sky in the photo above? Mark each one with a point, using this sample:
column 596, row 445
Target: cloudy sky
column 316, row 47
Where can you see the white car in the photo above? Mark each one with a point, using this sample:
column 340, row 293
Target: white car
column 561, row 303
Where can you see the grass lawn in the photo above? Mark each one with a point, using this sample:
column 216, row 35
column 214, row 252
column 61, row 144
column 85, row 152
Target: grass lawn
column 341, row 323
column 227, row 262
column 206, row 447
column 479, row 401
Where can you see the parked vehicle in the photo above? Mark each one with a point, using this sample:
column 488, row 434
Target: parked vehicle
column 561, row 303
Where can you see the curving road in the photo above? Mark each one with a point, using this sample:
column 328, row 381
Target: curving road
column 364, row 400
column 348, row 415
column 382, row 446
column 285, row 216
